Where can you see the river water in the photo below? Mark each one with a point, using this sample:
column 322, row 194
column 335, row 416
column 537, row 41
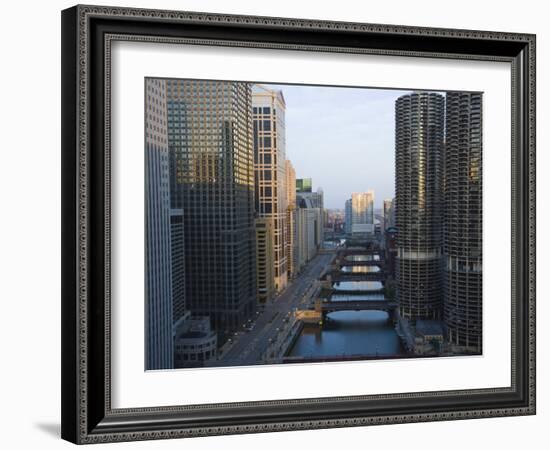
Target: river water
column 350, row 333
column 357, row 285
column 360, row 269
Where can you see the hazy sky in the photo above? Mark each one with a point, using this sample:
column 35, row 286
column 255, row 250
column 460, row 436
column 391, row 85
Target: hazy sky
column 342, row 138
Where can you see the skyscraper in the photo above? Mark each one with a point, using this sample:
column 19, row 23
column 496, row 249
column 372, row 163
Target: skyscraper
column 158, row 267
column 264, row 258
column 308, row 230
column 419, row 128
column 315, row 200
column 177, row 238
column 348, row 216
column 291, row 218
column 270, row 172
column 303, row 185
column 362, row 213
column 462, row 243
column 212, row 182
column 388, row 213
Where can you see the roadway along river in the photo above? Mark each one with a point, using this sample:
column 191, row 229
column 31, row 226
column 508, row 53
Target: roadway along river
column 248, row 348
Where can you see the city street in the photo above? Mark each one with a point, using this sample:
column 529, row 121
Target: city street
column 250, row 346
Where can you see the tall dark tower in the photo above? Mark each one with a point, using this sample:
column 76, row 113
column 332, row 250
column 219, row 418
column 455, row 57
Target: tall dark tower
column 419, row 139
column 212, row 183
column 463, row 220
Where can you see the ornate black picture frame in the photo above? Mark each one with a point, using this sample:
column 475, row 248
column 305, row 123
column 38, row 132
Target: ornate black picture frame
column 87, row 34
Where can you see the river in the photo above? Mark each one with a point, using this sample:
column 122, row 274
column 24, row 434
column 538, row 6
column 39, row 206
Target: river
column 351, row 333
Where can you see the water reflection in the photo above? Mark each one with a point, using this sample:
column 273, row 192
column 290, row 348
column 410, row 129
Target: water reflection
column 357, row 285
column 356, row 298
column 349, row 333
column 358, row 258
column 360, row 269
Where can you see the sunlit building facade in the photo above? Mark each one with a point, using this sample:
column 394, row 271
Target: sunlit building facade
column 291, row 238
column 303, row 185
column 271, row 197
column 362, row 213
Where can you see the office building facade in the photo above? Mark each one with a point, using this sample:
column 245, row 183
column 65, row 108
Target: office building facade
column 362, row 213
column 291, row 241
column 268, row 107
column 177, row 238
column 307, row 226
column 265, row 258
column 212, row 182
column 158, row 246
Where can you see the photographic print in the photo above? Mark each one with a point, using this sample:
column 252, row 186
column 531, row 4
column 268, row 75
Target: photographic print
column 366, row 214
column 299, row 223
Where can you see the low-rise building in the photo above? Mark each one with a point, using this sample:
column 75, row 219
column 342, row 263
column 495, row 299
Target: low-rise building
column 195, row 344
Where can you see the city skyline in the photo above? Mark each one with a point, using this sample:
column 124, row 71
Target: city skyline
column 364, row 139
column 248, row 263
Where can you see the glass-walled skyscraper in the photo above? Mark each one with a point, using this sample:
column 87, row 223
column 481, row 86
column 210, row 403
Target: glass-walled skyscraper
column 158, row 246
column 419, row 138
column 462, row 244
column 303, row 185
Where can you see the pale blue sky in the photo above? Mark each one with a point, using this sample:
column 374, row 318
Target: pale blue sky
column 342, row 138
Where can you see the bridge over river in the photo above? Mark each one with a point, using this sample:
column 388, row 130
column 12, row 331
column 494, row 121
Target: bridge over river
column 355, row 282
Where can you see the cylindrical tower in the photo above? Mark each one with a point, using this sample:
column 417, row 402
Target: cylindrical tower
column 419, row 137
column 462, row 242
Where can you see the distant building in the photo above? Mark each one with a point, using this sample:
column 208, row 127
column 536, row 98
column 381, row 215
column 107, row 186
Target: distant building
column 291, row 239
column 303, row 185
column 463, row 220
column 271, row 194
column 309, row 226
column 388, row 214
column 348, row 216
column 307, row 220
column 419, row 128
column 334, row 220
column 362, row 214
column 315, row 200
